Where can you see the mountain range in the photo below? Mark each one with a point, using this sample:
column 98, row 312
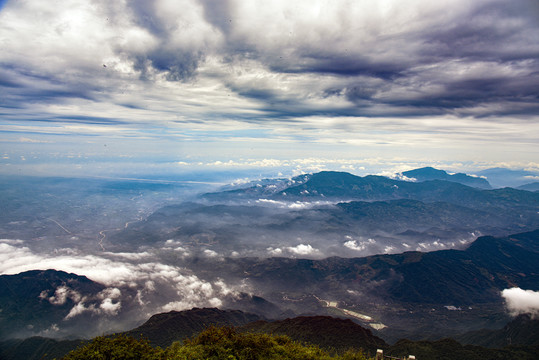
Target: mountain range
column 381, row 286
column 336, row 214
column 474, row 275
column 404, row 259
column 523, row 330
column 329, row 333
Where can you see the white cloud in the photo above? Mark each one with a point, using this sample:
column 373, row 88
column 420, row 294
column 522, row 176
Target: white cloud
column 109, row 307
column 129, row 256
column 78, row 309
column 28, row 140
column 274, row 252
column 108, row 300
column 519, row 301
column 353, row 244
column 149, row 279
column 302, row 249
column 293, row 204
column 210, row 253
column 224, row 289
column 357, row 245
column 112, row 293
column 10, row 241
column 61, row 294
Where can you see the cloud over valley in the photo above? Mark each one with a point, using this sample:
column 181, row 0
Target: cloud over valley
column 135, row 289
column 520, row 301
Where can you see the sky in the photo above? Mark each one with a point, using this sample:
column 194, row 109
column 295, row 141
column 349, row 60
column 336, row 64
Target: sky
column 132, row 88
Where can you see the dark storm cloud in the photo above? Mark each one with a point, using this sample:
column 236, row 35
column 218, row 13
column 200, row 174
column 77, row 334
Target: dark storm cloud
column 176, row 66
column 343, row 63
column 498, row 31
column 280, row 60
column 487, row 54
column 176, row 62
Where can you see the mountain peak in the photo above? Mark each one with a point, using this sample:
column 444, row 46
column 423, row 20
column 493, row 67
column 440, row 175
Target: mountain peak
column 430, row 173
column 182, row 324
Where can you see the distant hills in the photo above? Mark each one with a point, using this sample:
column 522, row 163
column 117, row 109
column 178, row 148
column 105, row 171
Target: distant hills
column 471, row 276
column 501, row 177
column 37, row 348
column 328, row 209
column 430, row 173
column 523, row 330
column 341, row 186
column 451, row 349
column 534, row 186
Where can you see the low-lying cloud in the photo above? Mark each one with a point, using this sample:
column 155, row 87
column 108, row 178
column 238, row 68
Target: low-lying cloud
column 131, row 280
column 61, row 295
column 302, row 249
column 519, row 301
column 294, row 205
column 299, row 250
column 354, row 244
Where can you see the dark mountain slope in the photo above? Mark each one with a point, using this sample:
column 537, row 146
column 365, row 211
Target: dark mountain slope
column 472, row 276
column 163, row 329
column 327, row 332
column 523, row 330
column 37, row 348
column 333, row 184
column 29, row 299
column 450, row 349
column 404, row 214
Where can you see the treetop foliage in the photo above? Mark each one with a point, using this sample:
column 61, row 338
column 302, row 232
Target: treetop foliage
column 213, row 343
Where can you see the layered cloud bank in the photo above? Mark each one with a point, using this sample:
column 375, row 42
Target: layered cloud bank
column 289, row 59
column 376, row 77
column 519, row 301
column 139, row 278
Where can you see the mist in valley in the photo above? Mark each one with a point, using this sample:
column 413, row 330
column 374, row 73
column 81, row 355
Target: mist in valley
column 160, row 246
